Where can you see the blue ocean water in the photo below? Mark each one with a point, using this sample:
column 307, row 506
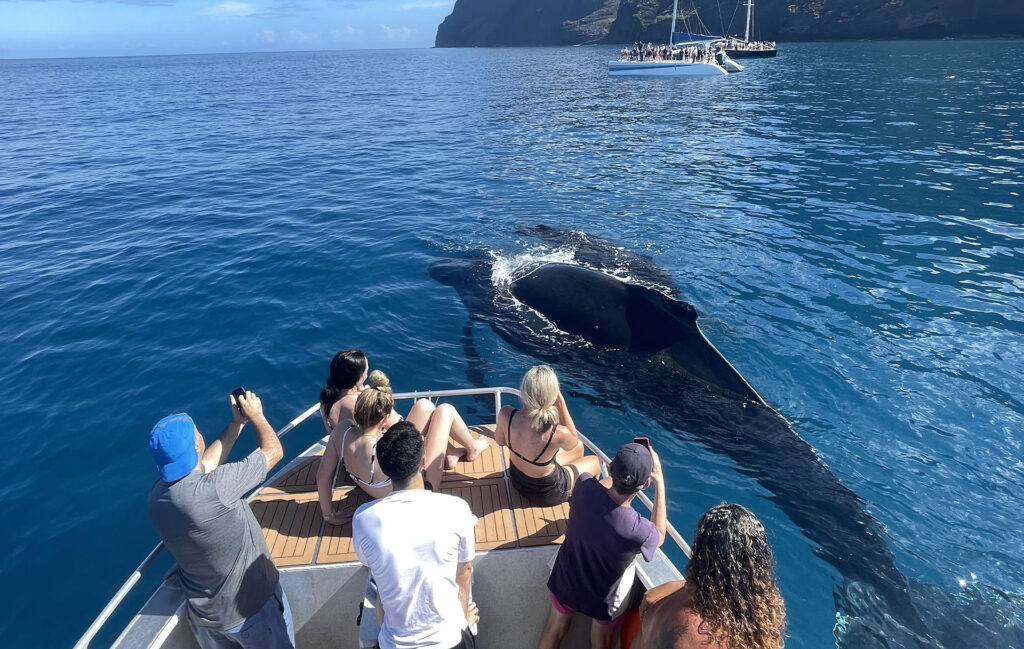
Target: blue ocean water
column 847, row 219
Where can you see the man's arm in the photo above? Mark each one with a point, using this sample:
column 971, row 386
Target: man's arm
column 464, row 578
column 564, row 417
column 217, row 452
column 659, row 515
column 252, row 407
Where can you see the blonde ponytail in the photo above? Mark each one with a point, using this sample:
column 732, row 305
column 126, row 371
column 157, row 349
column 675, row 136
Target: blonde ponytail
column 538, row 391
column 375, row 402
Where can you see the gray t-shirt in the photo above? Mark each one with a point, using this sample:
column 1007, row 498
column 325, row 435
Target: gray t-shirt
column 225, row 568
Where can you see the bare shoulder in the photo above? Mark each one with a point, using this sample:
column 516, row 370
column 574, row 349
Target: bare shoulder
column 501, row 425
column 565, row 438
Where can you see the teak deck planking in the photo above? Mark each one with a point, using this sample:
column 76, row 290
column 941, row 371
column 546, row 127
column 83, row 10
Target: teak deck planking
column 296, row 534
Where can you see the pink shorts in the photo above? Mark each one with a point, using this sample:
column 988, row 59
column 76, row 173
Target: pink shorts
column 565, row 610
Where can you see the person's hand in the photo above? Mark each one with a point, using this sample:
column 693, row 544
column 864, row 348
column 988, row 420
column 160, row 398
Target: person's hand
column 237, row 417
column 340, row 515
column 250, row 405
column 472, row 613
column 656, row 474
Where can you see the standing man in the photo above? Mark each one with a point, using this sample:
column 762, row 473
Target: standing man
column 594, row 569
column 198, row 507
column 418, row 546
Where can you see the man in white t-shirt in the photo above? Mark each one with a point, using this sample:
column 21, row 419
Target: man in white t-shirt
column 419, row 546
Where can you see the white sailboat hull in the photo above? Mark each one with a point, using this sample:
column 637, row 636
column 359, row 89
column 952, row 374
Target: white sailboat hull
column 664, row 68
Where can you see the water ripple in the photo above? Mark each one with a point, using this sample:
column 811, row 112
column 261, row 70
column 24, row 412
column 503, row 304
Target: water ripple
column 846, row 218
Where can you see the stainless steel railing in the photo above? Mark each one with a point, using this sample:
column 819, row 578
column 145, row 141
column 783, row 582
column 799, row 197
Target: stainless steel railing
column 126, row 587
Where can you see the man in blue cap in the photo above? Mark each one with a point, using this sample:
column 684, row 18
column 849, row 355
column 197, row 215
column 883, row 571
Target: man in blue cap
column 198, row 506
column 594, row 569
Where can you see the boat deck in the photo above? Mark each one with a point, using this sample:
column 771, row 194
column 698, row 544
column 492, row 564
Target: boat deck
column 288, row 511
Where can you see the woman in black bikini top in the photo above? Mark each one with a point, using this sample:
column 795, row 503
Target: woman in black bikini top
column 522, row 457
column 544, row 482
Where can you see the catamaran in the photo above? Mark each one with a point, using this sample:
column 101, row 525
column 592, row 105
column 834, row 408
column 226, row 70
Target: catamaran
column 515, row 541
column 690, row 55
column 746, row 48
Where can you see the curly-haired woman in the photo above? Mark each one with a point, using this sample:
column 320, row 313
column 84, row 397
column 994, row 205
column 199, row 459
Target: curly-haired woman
column 729, row 599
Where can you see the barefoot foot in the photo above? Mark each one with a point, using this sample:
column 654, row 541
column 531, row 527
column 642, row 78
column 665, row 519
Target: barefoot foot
column 452, row 458
column 478, row 447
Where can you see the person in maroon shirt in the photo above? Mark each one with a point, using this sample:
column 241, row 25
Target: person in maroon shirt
column 594, row 567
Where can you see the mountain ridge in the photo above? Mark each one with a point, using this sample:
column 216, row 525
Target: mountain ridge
column 492, row 23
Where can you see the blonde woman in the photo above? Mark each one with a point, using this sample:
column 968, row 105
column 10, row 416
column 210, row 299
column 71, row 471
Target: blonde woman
column 355, row 443
column 547, row 455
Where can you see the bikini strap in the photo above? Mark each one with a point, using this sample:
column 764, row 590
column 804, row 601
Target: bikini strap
column 373, row 458
column 508, row 435
column 545, row 449
column 522, row 457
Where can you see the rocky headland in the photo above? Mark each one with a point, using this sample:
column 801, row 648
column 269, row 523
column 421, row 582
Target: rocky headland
column 495, row 23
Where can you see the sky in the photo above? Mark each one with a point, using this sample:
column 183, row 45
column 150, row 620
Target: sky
column 73, row 28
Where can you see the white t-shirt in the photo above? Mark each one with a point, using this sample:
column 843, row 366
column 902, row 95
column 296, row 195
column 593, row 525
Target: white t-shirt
column 412, row 541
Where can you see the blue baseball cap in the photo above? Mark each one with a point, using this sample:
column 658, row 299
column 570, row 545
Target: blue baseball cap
column 172, row 443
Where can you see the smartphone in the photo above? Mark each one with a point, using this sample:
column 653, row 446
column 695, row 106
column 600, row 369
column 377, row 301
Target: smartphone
column 643, row 441
column 238, row 392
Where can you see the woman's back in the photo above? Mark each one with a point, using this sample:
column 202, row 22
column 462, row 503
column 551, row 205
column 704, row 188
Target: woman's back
column 533, row 453
column 358, row 451
column 729, row 597
column 671, row 622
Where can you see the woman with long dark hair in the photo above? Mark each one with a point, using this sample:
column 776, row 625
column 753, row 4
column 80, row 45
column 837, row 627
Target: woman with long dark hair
column 729, row 599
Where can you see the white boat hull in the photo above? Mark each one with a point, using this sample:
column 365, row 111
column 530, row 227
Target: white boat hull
column 664, row 68
column 732, row 66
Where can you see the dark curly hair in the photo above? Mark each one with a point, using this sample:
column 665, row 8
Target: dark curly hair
column 732, row 571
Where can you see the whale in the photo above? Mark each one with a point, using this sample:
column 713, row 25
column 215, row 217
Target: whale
column 617, row 320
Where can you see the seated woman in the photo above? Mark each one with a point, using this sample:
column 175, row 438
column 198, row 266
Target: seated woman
column 729, row 599
column 547, row 454
column 355, row 443
column 347, row 379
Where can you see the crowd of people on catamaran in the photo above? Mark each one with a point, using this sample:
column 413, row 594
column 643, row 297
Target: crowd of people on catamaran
column 419, row 544
column 753, row 46
column 651, row 52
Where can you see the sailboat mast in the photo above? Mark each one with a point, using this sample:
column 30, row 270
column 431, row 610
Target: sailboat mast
column 746, row 35
column 672, row 34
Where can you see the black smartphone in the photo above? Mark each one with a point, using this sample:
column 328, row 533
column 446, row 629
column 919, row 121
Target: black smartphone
column 238, row 392
column 644, row 441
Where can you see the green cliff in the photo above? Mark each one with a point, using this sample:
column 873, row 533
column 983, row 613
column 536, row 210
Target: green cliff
column 482, row 23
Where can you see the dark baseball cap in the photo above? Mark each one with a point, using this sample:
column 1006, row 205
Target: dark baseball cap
column 631, row 468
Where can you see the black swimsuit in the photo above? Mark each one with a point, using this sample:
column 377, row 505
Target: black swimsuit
column 547, row 491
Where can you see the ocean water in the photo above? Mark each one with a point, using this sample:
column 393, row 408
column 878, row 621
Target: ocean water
column 847, row 220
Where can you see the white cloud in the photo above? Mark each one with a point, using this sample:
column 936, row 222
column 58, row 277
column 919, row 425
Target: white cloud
column 299, row 36
column 231, row 8
column 398, row 33
column 427, row 4
column 267, row 36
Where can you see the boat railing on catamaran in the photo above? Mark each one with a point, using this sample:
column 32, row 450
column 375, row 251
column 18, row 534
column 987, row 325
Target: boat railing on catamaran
column 531, row 540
